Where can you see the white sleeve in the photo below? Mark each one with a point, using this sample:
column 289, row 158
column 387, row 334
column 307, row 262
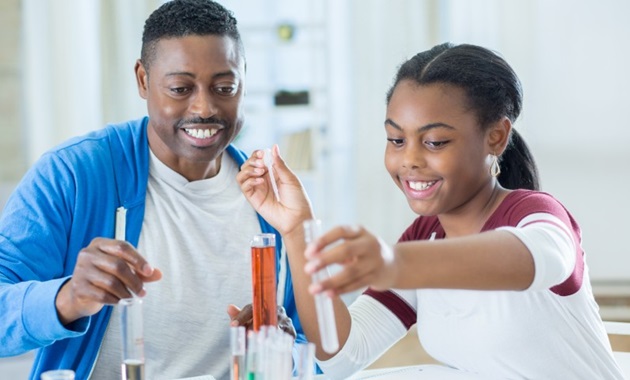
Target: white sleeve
column 373, row 330
column 551, row 245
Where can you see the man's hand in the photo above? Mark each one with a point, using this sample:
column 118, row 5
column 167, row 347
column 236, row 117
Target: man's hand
column 245, row 317
column 106, row 271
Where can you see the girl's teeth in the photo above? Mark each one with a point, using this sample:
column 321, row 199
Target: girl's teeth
column 420, row 185
column 201, row 133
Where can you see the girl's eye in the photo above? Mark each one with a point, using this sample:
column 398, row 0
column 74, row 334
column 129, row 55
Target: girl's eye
column 396, row 142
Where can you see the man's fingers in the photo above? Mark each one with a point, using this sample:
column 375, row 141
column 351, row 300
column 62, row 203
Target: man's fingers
column 115, row 272
column 285, row 323
column 125, row 251
column 111, row 289
column 155, row 276
column 233, row 311
column 244, row 317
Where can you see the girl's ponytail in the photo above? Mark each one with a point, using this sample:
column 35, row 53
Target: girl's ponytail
column 518, row 169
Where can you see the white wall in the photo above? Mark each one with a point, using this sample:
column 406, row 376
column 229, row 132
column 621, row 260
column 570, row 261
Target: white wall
column 572, row 57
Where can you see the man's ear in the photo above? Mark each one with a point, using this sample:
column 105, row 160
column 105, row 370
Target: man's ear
column 499, row 136
column 142, row 79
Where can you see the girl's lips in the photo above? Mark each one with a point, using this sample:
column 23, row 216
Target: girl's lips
column 420, row 189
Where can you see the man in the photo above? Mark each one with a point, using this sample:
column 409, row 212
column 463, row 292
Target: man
column 164, row 184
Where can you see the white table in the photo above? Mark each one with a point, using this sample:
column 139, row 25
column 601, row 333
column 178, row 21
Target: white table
column 419, row 372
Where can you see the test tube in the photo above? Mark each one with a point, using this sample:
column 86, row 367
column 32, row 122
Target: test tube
column 252, row 355
column 268, row 159
column 58, row 374
column 237, row 345
column 132, row 339
column 264, row 306
column 323, row 303
column 305, row 361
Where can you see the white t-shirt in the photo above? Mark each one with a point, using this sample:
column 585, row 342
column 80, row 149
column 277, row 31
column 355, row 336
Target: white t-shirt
column 552, row 330
column 198, row 234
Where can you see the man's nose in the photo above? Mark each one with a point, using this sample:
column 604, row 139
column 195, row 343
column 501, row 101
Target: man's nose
column 203, row 104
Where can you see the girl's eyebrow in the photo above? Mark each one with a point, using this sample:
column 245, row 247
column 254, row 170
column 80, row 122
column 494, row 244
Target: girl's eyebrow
column 423, row 128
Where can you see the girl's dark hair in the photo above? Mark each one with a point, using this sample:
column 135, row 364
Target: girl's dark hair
column 493, row 91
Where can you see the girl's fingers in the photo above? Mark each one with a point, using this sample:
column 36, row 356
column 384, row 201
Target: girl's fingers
column 338, row 233
column 347, row 280
column 343, row 253
column 250, row 184
column 338, row 254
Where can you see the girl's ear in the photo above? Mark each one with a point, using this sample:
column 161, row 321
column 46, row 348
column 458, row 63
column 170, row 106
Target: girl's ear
column 499, row 136
column 142, row 79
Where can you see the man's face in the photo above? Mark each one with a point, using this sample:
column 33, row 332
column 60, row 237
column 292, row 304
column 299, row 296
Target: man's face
column 194, row 92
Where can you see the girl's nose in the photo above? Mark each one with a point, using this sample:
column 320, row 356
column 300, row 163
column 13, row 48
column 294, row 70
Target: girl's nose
column 413, row 157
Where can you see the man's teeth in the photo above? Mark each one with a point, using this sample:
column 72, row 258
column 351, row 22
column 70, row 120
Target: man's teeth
column 420, row 185
column 201, row 133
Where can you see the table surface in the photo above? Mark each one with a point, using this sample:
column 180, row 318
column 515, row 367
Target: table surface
column 420, row 372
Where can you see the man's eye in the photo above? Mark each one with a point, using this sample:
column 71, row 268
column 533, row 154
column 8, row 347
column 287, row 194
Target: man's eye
column 179, row 90
column 436, row 144
column 226, row 90
column 396, row 142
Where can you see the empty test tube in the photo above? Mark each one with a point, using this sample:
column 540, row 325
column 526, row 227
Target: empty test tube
column 268, row 159
column 323, row 303
column 305, row 361
column 132, row 338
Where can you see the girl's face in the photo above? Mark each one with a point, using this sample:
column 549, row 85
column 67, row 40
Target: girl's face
column 436, row 151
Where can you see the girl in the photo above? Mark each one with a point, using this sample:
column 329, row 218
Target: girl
column 492, row 271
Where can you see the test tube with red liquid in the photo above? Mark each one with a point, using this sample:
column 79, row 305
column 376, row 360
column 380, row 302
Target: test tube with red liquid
column 264, row 304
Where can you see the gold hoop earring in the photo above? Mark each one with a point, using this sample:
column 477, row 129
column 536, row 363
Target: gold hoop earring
column 495, row 169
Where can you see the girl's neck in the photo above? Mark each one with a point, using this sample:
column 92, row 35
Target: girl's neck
column 470, row 217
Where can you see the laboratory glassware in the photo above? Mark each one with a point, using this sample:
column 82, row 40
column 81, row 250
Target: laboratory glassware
column 264, row 306
column 323, row 303
column 132, row 339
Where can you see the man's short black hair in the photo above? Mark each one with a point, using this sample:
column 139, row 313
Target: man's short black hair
column 179, row 18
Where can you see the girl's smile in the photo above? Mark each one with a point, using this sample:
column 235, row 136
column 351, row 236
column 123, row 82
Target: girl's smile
column 420, row 190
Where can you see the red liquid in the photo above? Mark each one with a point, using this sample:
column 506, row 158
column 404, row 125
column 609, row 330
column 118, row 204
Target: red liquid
column 264, row 286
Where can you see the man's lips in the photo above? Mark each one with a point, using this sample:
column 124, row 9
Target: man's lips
column 201, row 133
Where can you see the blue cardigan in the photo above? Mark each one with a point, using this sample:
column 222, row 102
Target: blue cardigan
column 68, row 198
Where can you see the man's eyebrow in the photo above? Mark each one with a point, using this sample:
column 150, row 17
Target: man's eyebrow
column 228, row 73
column 423, row 128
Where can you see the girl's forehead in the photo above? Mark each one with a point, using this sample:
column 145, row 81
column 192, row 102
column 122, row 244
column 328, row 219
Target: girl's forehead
column 436, row 102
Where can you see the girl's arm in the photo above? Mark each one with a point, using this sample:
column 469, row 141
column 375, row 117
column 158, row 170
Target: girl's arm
column 287, row 215
column 511, row 258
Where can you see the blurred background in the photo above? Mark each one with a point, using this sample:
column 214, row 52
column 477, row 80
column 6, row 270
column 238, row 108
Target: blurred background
column 318, row 71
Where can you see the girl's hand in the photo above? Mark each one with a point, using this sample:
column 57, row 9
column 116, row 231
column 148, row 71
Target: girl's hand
column 293, row 206
column 365, row 259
